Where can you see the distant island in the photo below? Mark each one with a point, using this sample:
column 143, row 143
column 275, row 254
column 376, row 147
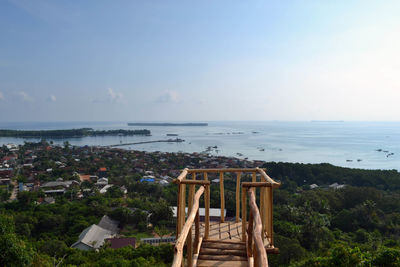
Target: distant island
column 67, row 133
column 165, row 124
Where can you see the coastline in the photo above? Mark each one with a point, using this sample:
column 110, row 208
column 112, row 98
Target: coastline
column 352, row 145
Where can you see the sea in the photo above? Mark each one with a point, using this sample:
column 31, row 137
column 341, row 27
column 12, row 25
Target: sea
column 366, row 145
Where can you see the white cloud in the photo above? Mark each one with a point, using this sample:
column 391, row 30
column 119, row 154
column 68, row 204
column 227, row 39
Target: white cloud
column 169, row 97
column 24, row 97
column 115, row 97
column 52, row 98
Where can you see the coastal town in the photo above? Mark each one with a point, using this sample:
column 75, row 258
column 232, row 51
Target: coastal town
column 72, row 200
column 70, row 173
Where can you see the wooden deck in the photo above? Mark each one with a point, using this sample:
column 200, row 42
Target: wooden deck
column 227, row 231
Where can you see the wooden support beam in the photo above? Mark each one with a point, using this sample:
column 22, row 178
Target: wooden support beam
column 197, row 230
column 207, row 208
column 179, row 210
column 262, row 210
column 225, row 170
column 244, row 211
column 254, row 179
column 256, row 184
column 270, row 217
column 189, row 241
column 222, row 195
column 238, row 175
column 249, row 243
column 195, row 182
column 182, row 206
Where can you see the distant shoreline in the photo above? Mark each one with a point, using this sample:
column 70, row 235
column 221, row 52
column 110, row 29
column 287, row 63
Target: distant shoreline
column 165, row 124
column 69, row 133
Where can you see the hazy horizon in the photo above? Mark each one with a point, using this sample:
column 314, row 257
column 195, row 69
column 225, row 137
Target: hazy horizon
column 206, row 61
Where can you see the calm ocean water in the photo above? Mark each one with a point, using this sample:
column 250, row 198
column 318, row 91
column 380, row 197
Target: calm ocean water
column 347, row 144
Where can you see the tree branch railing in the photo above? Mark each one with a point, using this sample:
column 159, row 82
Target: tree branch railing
column 256, row 252
column 185, row 235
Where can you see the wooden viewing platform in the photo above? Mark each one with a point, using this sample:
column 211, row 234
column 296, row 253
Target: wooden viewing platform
column 243, row 241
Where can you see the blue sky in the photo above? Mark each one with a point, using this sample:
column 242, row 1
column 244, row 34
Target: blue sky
column 205, row 60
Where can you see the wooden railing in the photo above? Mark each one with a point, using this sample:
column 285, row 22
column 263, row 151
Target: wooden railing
column 265, row 185
column 256, row 252
column 186, row 234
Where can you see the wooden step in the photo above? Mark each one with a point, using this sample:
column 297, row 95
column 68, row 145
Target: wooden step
column 218, row 251
column 222, row 257
column 207, row 263
column 224, row 241
column 223, row 245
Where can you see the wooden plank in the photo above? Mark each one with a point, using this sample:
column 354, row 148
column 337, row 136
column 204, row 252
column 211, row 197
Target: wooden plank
column 224, row 241
column 196, row 182
column 219, row 251
column 209, row 263
column 222, row 195
column 222, row 257
column 238, row 175
column 180, row 242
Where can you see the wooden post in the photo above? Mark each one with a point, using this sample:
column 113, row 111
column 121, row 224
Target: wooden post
column 189, row 241
column 221, row 189
column 182, row 204
column 270, row 216
column 197, row 232
column 238, row 174
column 254, row 179
column 207, row 208
column 249, row 243
column 262, row 211
column 179, row 211
column 244, row 211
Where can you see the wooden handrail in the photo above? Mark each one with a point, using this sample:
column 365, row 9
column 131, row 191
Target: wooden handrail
column 178, row 250
column 226, row 170
column 182, row 175
column 256, row 230
column 267, row 178
column 197, row 182
column 256, row 184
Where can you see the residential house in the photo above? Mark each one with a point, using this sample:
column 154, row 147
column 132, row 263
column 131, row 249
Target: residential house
column 121, row 242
